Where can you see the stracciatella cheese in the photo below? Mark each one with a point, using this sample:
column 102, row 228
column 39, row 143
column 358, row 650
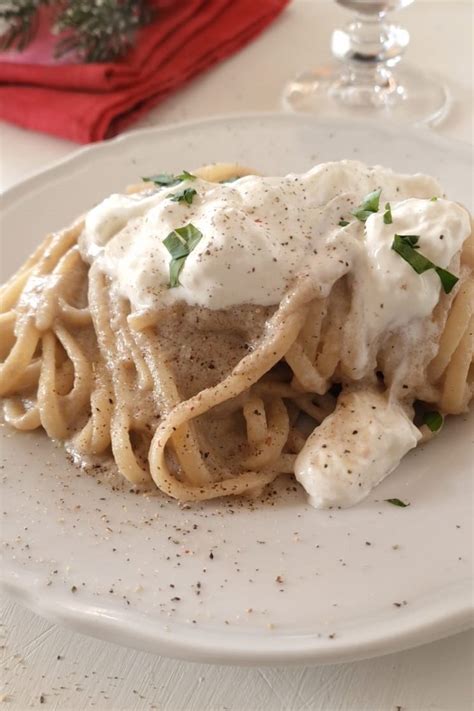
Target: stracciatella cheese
column 354, row 448
column 258, row 233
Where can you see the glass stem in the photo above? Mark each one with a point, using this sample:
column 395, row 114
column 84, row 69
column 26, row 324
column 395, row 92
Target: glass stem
column 368, row 49
column 369, row 79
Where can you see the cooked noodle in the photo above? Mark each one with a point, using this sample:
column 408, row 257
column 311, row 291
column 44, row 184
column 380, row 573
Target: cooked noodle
column 78, row 363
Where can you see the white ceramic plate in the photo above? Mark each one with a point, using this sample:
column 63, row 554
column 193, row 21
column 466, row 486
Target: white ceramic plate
column 138, row 570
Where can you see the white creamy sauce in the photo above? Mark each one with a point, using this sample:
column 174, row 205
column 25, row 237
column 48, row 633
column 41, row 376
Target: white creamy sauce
column 354, row 448
column 258, row 235
column 442, row 227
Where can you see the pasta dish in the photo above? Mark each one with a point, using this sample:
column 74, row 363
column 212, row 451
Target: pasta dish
column 209, row 331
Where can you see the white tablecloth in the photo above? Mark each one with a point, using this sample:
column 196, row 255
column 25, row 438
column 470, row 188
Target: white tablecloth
column 57, row 669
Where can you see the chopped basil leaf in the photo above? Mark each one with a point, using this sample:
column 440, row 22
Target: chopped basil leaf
column 167, row 180
column 434, row 420
column 176, row 266
column 192, row 235
column 185, row 175
column 433, row 199
column 368, row 206
column 397, row 502
column 182, row 240
column 343, row 223
column 387, row 215
column 176, row 245
column 411, row 239
column 406, row 246
column 162, row 179
column 447, row 279
column 180, row 243
column 185, row 195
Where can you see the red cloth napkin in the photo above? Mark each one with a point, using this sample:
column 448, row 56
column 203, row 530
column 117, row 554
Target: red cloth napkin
column 89, row 102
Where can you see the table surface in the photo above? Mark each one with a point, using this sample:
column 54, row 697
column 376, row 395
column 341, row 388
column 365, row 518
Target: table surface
column 57, row 669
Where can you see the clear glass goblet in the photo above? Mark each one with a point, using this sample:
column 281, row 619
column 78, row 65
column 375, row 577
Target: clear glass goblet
column 369, row 80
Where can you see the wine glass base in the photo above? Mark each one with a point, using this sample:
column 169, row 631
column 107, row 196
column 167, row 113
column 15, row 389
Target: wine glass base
column 409, row 95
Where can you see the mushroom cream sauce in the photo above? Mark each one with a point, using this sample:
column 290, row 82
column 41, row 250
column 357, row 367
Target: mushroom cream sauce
column 259, row 235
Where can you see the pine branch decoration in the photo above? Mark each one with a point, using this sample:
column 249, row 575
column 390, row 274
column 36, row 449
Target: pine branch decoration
column 18, row 22
column 95, row 30
column 101, row 30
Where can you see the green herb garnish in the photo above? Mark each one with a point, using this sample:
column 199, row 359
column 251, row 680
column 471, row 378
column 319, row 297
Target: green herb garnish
column 343, row 223
column 185, row 195
column 185, row 175
column 433, row 199
column 387, row 215
column 434, row 420
column 167, row 179
column 180, row 243
column 368, row 206
column 162, row 179
column 407, row 245
column 447, row 279
column 397, row 502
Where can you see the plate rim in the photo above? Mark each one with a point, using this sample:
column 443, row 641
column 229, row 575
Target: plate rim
column 213, row 648
column 81, row 152
column 412, row 631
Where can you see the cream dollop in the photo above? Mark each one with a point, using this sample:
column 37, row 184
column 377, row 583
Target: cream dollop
column 259, row 233
column 354, row 448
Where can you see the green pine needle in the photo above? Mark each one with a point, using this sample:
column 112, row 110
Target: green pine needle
column 101, row 31
column 95, row 30
column 20, row 20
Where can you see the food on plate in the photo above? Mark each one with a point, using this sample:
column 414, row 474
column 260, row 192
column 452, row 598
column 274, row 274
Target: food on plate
column 212, row 330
